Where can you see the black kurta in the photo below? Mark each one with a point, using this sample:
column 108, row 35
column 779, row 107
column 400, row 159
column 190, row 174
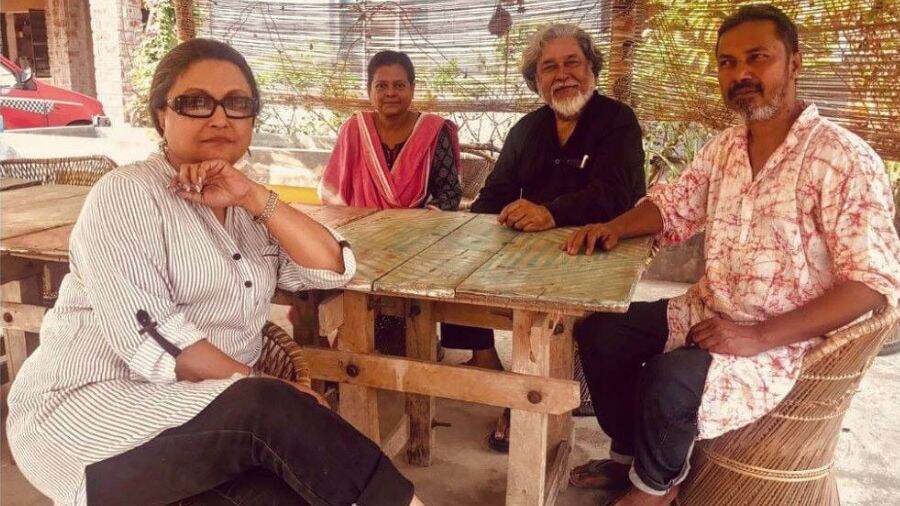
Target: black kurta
column 533, row 165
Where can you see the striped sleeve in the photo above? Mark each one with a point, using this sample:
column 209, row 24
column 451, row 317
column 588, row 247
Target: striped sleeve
column 119, row 248
column 293, row 277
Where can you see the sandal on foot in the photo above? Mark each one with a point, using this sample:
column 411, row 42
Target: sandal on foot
column 603, row 474
column 500, row 444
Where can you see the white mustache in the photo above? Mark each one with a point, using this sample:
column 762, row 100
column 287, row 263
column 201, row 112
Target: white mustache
column 564, row 84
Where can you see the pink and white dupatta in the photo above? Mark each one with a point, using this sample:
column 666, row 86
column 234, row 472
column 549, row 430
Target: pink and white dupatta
column 357, row 173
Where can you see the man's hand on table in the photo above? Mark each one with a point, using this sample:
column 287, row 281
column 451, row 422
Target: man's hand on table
column 716, row 335
column 526, row 216
column 588, row 236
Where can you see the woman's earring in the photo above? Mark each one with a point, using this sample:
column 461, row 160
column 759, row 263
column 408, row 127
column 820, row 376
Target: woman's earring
column 163, row 146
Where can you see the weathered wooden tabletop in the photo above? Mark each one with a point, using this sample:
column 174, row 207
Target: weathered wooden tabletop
column 472, row 258
column 38, row 219
column 407, row 253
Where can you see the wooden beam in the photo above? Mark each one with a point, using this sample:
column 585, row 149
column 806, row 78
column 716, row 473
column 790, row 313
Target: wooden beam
column 526, row 478
column 558, row 473
column 25, row 317
column 25, row 291
column 15, row 268
column 421, row 343
column 469, row 384
column 542, row 345
column 358, row 402
column 560, row 428
column 184, row 20
column 473, row 315
column 396, row 440
column 624, row 37
column 390, row 306
column 331, row 313
column 561, row 365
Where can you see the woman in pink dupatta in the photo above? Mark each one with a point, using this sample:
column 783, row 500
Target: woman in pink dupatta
column 393, row 157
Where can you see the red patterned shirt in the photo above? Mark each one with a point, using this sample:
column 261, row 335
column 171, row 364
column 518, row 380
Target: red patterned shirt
column 818, row 213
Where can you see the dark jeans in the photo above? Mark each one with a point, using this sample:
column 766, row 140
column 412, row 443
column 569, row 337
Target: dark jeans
column 260, row 442
column 645, row 400
column 461, row 337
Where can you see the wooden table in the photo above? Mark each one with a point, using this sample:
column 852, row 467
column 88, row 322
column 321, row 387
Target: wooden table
column 35, row 222
column 427, row 267
column 462, row 268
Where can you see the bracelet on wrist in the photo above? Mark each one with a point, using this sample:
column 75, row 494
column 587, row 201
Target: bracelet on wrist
column 268, row 210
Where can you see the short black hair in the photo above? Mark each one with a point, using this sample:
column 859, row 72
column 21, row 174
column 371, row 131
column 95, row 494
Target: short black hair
column 385, row 58
column 784, row 27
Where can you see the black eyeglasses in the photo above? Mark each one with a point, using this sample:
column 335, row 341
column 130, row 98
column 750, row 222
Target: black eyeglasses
column 204, row 106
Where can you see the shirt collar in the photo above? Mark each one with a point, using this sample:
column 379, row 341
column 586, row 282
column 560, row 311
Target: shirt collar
column 808, row 117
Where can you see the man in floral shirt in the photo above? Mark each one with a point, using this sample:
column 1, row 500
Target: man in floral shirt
column 800, row 241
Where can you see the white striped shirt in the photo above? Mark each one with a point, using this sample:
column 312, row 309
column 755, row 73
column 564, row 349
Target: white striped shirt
column 95, row 387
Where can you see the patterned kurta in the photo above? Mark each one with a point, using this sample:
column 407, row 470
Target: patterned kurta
column 819, row 212
column 95, row 387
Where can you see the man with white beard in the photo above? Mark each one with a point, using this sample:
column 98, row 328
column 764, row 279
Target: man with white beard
column 577, row 160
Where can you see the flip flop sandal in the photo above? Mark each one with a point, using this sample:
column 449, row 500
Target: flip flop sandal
column 500, row 444
column 596, row 468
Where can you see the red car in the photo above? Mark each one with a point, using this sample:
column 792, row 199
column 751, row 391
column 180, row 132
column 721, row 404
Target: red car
column 26, row 102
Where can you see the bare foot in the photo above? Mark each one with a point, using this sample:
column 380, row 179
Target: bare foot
column 635, row 497
column 486, row 359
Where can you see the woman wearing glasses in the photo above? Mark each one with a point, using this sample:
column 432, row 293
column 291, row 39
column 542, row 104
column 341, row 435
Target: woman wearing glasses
column 105, row 412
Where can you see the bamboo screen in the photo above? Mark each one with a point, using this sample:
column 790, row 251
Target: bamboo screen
column 466, row 53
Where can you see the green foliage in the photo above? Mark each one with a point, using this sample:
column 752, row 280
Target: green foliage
column 158, row 39
column 893, row 170
column 301, row 76
column 669, row 146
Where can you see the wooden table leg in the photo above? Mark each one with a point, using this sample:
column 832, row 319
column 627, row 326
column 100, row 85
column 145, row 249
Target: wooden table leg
column 560, row 436
column 358, row 404
column 542, row 346
column 421, row 340
column 18, row 342
column 304, row 318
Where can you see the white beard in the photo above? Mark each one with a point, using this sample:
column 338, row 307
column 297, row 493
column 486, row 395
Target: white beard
column 570, row 107
column 764, row 112
column 761, row 113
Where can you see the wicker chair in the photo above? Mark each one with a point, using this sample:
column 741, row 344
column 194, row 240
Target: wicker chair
column 786, row 457
column 80, row 170
column 282, row 357
column 474, row 171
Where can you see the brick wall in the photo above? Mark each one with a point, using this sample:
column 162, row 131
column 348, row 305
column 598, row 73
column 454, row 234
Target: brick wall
column 116, row 27
column 70, row 46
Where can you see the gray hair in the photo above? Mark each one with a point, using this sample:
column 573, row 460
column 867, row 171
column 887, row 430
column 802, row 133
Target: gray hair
column 545, row 34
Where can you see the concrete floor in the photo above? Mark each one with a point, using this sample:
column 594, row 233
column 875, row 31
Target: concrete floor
column 465, row 472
